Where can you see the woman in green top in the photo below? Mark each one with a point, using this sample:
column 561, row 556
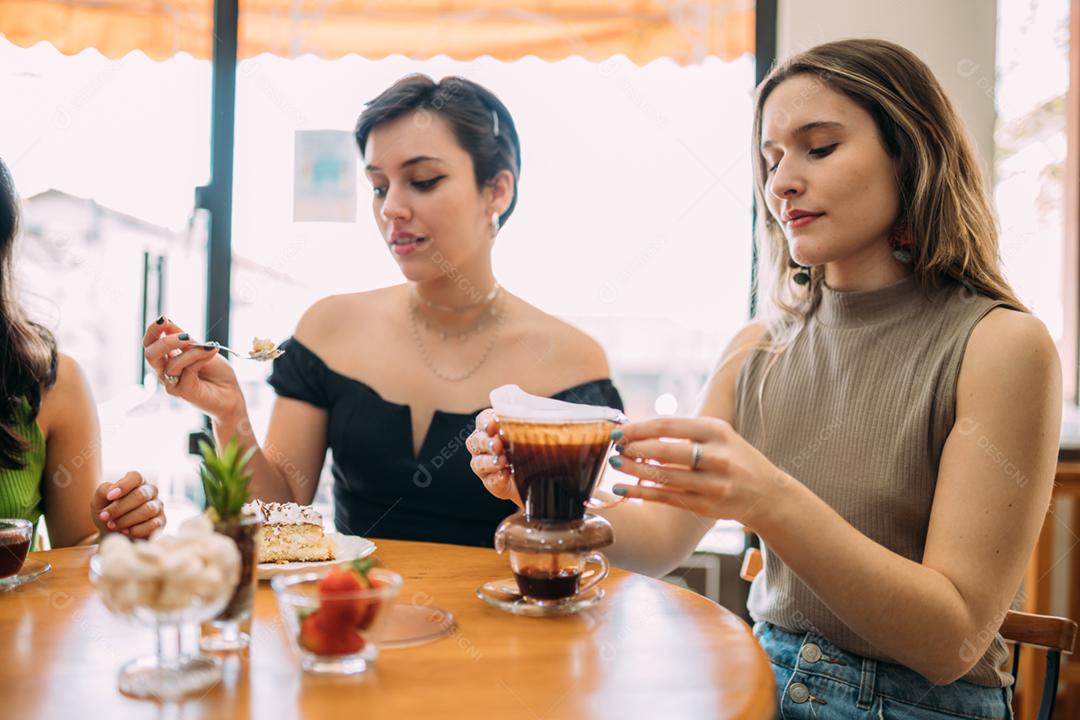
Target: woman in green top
column 49, row 435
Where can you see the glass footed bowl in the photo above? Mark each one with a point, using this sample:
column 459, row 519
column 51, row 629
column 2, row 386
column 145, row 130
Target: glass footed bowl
column 334, row 634
column 171, row 673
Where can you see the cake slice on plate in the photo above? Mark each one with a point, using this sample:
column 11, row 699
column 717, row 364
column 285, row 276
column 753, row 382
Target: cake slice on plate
column 290, row 533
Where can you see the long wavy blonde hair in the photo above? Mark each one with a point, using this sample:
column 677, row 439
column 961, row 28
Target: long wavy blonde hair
column 944, row 203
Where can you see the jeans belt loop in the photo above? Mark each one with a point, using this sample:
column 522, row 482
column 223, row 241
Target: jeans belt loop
column 866, row 685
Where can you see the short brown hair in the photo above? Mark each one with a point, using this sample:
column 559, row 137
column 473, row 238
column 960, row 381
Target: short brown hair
column 480, row 122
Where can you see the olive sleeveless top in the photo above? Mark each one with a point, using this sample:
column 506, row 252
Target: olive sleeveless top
column 858, row 408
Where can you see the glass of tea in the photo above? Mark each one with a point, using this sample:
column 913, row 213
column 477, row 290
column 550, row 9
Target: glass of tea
column 15, row 537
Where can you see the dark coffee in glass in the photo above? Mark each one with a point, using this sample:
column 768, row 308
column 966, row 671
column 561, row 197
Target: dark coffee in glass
column 548, row 578
column 548, row 585
column 555, row 466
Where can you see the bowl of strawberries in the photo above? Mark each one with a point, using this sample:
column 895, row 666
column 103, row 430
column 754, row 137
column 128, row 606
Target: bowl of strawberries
column 332, row 615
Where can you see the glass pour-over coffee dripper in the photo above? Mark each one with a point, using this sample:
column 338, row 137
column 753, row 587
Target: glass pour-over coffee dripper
column 556, row 453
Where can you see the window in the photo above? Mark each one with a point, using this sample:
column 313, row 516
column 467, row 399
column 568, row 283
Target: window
column 633, row 220
column 106, row 155
column 1030, row 149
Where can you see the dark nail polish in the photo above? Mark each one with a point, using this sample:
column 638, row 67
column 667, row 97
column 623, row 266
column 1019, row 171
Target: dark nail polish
column 616, row 462
column 160, row 320
column 619, row 449
column 620, row 491
column 184, row 336
column 616, row 434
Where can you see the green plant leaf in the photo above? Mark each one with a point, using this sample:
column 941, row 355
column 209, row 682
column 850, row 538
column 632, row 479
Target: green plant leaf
column 226, row 477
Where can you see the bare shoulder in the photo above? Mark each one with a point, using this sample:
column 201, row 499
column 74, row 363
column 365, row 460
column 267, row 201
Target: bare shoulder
column 69, row 395
column 326, row 318
column 69, row 378
column 748, row 338
column 560, row 344
column 718, row 398
column 582, row 349
column 1011, row 346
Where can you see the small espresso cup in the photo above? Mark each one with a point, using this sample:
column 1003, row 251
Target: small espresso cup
column 551, row 578
column 15, row 537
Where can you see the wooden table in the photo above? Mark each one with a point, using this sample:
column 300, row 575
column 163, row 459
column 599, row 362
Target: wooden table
column 649, row 649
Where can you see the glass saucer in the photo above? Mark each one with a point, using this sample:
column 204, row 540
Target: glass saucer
column 408, row 625
column 31, row 570
column 504, row 594
column 148, row 677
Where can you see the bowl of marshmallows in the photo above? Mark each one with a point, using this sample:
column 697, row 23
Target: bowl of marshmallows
column 186, row 577
column 168, row 582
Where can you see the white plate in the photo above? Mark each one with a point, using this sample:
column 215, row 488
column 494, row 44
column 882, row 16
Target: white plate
column 346, row 548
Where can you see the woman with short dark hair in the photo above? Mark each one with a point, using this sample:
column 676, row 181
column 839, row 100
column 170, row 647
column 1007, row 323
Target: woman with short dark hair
column 391, row 380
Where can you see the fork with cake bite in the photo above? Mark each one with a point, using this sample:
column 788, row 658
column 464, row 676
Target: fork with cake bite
column 262, row 350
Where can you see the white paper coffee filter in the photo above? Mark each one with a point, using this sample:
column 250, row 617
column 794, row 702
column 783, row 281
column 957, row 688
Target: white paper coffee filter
column 510, row 401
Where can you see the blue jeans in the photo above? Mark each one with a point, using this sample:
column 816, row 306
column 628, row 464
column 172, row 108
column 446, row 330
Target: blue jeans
column 816, row 679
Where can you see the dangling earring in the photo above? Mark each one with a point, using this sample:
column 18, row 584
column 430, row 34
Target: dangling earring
column 901, row 244
column 803, row 276
column 494, row 224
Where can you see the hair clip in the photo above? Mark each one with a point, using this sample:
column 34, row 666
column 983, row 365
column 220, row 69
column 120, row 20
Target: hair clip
column 495, row 122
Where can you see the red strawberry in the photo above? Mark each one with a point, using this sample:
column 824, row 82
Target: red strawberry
column 339, row 580
column 320, row 634
column 312, row 637
column 366, row 609
column 346, row 642
column 367, row 612
column 342, row 611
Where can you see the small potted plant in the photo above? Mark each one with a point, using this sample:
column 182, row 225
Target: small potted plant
column 225, row 479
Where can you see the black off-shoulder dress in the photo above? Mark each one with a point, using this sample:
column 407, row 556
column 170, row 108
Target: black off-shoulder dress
column 382, row 488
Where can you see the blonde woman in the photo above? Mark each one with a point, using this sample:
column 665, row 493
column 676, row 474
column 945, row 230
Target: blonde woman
column 889, row 430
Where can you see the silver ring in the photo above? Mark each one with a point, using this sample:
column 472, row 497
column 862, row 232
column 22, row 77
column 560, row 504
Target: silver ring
column 171, row 379
column 695, row 456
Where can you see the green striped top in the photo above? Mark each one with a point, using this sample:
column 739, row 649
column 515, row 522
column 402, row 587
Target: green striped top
column 20, row 490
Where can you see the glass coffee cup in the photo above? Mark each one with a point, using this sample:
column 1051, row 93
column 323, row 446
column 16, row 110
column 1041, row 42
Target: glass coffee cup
column 551, row 561
column 552, row 577
column 15, row 537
